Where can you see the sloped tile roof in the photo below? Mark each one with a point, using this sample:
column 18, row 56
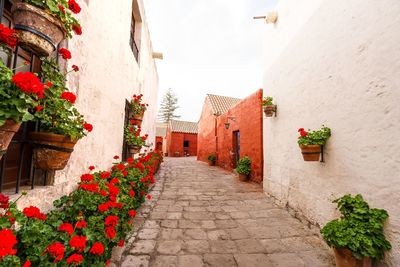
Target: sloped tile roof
column 221, row 104
column 183, row 126
column 161, row 129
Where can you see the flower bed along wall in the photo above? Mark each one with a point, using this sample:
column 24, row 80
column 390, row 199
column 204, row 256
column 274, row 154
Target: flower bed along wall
column 85, row 226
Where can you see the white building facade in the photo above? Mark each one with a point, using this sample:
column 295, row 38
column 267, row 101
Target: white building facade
column 335, row 63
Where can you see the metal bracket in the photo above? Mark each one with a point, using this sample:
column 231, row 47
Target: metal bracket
column 38, row 33
column 322, row 154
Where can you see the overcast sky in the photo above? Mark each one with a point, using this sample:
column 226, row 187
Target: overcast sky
column 209, row 46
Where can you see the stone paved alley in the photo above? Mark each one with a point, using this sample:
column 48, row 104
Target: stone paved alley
column 203, row 216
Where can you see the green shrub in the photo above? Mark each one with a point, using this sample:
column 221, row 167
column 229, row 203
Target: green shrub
column 359, row 229
column 212, row 158
column 244, row 166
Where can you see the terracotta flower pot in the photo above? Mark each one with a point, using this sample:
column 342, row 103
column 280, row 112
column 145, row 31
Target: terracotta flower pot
column 269, row 110
column 7, row 132
column 211, row 163
column 243, row 177
column 310, row 152
column 38, row 31
column 138, row 118
column 344, row 258
column 51, row 151
column 134, row 149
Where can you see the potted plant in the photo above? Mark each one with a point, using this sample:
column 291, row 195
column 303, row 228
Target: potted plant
column 137, row 109
column 18, row 94
column 133, row 139
column 357, row 236
column 311, row 142
column 269, row 107
column 212, row 159
column 243, row 168
column 42, row 25
column 61, row 124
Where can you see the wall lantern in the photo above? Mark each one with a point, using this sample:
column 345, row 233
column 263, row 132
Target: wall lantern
column 227, row 124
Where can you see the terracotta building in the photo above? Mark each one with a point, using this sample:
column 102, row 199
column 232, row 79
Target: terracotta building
column 161, row 137
column 182, row 138
column 232, row 128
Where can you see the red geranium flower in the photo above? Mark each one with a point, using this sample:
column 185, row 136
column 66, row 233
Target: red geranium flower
column 148, row 196
column 303, row 133
column 80, row 224
column 49, row 84
column 7, row 36
column 111, row 220
column 27, row 264
column 300, row 130
column 74, row 7
column 121, row 243
column 28, row 83
column 90, row 187
column 116, row 157
column 97, row 248
column 75, row 259
column 78, row 243
column 88, row 127
column 38, row 108
column 103, row 193
column 131, row 193
column 8, row 240
column 70, row 97
column 56, row 250
column 91, row 168
column 110, row 232
column 86, row 177
column 65, row 53
column 132, row 213
column 34, row 212
column 4, row 201
column 66, row 227
column 77, row 29
column 75, row 68
column 105, row 175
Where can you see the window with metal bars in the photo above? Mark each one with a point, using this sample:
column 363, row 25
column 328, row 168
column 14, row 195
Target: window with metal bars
column 16, row 166
column 135, row 34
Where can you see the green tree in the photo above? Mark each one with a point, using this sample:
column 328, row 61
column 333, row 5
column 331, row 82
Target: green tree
column 168, row 107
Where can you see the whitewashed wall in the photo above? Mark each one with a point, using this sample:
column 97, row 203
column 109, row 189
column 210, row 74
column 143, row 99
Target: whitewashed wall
column 335, row 63
column 109, row 74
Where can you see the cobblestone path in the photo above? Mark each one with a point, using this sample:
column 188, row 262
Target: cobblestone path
column 203, row 216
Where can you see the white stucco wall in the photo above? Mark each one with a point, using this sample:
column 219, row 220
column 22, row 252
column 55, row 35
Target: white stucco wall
column 109, row 74
column 335, row 63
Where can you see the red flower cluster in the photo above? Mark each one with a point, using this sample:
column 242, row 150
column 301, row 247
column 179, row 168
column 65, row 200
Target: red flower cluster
column 108, row 205
column 74, row 7
column 65, row 53
column 34, row 212
column 80, row 224
column 78, row 243
column 88, row 127
column 90, row 187
column 77, row 29
column 75, row 68
column 97, row 249
column 105, row 175
column 75, row 259
column 66, row 227
column 28, row 83
column 4, row 201
column 70, row 97
column 111, row 220
column 8, row 241
column 302, row 132
column 132, row 213
column 87, row 177
column 56, row 250
column 7, row 36
column 110, row 232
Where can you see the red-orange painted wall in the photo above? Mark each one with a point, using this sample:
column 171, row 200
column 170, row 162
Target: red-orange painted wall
column 248, row 120
column 175, row 143
column 206, row 141
column 159, row 143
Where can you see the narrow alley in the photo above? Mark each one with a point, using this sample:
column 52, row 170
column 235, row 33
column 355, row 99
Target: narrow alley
column 203, row 216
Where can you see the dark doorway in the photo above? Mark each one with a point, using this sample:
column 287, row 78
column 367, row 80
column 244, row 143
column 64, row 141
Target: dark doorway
column 236, row 147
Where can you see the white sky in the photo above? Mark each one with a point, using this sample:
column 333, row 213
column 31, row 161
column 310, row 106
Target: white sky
column 209, row 46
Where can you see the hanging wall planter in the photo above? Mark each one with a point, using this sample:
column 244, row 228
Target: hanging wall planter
column 137, row 109
column 51, row 151
column 312, row 143
column 134, row 149
column 269, row 107
column 344, row 258
column 38, row 31
column 7, row 132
